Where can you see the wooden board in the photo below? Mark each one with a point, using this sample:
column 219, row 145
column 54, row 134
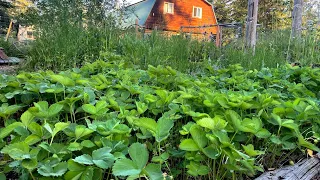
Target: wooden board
column 3, row 55
column 304, row 170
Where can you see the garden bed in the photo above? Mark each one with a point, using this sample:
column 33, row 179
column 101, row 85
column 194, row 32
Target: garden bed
column 108, row 120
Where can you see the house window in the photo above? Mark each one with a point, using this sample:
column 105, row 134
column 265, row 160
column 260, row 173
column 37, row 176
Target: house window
column 197, row 12
column 30, row 34
column 168, row 8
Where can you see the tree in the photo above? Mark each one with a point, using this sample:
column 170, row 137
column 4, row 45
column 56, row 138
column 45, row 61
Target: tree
column 297, row 18
column 20, row 7
column 4, row 16
column 273, row 14
column 252, row 19
column 311, row 14
column 222, row 10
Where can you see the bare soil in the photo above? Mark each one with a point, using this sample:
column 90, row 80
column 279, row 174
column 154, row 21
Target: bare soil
column 8, row 69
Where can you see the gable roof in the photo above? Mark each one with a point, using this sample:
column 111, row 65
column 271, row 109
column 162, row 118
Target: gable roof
column 140, row 11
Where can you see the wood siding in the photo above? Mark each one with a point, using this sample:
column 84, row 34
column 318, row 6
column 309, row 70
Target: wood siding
column 182, row 16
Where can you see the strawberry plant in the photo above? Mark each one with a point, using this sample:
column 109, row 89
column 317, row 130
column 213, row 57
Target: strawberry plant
column 109, row 120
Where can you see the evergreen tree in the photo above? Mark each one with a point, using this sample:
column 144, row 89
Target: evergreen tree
column 273, row 14
column 222, row 10
column 4, row 17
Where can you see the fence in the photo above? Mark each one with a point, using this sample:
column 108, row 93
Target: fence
column 221, row 35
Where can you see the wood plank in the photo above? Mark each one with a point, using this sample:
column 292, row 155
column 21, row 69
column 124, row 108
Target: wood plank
column 304, row 170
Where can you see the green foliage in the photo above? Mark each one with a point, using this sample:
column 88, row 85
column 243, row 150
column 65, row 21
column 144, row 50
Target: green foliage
column 74, row 31
column 70, row 35
column 100, row 157
column 52, row 167
column 109, row 120
column 10, row 49
column 274, row 14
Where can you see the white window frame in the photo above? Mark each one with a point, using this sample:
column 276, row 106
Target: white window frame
column 197, row 8
column 165, row 11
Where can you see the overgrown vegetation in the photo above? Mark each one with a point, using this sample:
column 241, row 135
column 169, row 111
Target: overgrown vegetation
column 152, row 106
column 107, row 119
column 12, row 49
column 70, row 35
column 273, row 49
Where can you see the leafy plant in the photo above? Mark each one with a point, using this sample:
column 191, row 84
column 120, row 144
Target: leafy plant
column 137, row 165
column 109, row 120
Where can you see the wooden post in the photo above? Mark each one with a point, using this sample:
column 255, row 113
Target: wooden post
column 297, row 18
column 248, row 23
column 137, row 27
column 9, row 30
column 218, row 37
column 252, row 21
column 254, row 25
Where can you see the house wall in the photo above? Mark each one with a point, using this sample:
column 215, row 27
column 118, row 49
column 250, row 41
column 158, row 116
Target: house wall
column 25, row 33
column 182, row 16
column 166, row 33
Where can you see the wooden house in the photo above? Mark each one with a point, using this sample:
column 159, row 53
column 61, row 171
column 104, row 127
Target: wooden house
column 25, row 33
column 174, row 16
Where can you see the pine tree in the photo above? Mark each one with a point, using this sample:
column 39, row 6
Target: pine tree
column 222, row 10
column 4, row 16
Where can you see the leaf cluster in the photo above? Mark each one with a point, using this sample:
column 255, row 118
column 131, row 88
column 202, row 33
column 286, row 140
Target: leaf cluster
column 109, row 120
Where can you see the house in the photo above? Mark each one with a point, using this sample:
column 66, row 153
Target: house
column 25, row 33
column 174, row 16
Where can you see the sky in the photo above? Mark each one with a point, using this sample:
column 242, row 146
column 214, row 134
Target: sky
column 132, row 1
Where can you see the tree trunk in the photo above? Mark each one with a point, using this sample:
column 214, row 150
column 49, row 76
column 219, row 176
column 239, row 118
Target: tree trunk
column 254, row 24
column 252, row 20
column 319, row 14
column 297, row 18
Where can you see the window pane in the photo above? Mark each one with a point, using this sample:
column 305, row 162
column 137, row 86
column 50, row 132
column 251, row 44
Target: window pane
column 195, row 12
column 170, row 8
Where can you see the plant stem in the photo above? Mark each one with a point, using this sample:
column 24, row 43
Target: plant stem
column 51, row 140
column 108, row 173
column 159, row 151
column 214, row 169
column 32, row 175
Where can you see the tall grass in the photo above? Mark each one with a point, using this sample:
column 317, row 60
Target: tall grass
column 72, row 47
column 67, row 47
column 11, row 48
column 66, row 39
column 272, row 50
column 70, row 33
column 155, row 49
